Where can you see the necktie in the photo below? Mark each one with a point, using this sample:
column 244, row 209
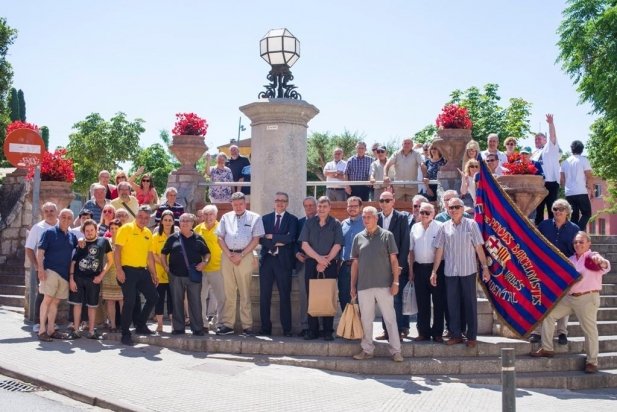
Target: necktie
column 277, row 224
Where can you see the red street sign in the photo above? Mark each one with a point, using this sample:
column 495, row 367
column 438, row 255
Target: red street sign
column 24, row 148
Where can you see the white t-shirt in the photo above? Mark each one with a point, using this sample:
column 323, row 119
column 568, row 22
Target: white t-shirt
column 333, row 166
column 34, row 236
column 548, row 157
column 574, row 168
column 421, row 241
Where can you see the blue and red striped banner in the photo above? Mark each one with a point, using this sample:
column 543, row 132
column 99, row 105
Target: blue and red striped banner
column 528, row 274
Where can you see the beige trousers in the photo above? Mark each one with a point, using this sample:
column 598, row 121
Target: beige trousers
column 405, row 193
column 213, row 282
column 384, row 299
column 586, row 309
column 237, row 279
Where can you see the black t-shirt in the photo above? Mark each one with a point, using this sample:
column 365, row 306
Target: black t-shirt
column 195, row 247
column 236, row 166
column 89, row 259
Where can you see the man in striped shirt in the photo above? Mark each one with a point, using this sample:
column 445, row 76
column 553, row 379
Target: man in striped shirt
column 459, row 241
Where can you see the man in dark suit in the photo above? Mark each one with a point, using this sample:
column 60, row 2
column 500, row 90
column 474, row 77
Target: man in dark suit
column 310, row 209
column 276, row 262
column 397, row 223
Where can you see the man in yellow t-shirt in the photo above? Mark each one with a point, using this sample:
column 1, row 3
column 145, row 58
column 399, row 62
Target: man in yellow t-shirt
column 132, row 271
column 213, row 277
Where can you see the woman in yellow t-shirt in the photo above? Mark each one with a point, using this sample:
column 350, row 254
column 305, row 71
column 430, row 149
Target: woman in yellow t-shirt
column 165, row 229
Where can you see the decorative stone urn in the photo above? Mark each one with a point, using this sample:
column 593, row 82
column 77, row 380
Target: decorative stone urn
column 451, row 143
column 188, row 150
column 60, row 193
column 187, row 180
column 527, row 191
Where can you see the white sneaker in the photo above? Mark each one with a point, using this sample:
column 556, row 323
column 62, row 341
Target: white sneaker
column 36, row 328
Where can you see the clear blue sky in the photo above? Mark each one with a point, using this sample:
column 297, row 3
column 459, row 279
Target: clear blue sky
column 382, row 69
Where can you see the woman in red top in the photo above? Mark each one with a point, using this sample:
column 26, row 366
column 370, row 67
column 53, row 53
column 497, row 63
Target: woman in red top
column 145, row 191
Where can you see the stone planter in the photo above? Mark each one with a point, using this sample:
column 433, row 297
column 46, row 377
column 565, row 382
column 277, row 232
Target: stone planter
column 60, row 193
column 451, row 143
column 188, row 150
column 527, row 191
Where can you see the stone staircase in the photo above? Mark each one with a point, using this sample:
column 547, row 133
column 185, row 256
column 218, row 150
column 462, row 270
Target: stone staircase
column 438, row 362
column 12, row 289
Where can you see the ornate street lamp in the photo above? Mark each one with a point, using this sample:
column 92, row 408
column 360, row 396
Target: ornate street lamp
column 281, row 50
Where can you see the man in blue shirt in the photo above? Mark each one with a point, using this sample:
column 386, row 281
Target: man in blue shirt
column 351, row 227
column 54, row 260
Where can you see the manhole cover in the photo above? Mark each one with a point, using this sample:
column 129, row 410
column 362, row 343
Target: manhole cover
column 16, row 386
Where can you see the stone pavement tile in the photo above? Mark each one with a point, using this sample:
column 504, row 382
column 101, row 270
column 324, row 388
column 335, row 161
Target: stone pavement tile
column 159, row 379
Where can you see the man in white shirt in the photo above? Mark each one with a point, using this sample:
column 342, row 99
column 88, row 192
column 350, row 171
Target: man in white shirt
column 335, row 172
column 492, row 142
column 50, row 219
column 421, row 259
column 577, row 181
column 547, row 154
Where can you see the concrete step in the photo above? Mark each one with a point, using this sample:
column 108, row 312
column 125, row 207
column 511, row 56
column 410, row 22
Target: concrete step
column 605, row 328
column 608, row 301
column 12, row 279
column 611, row 277
column 17, row 290
column 603, row 314
column 573, row 380
column 12, row 300
column 15, row 309
column 576, row 344
column 604, row 248
column 609, row 289
column 430, row 366
column 600, row 239
column 12, row 269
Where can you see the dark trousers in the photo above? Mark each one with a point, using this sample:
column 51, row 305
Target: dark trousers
column 553, row 192
column 462, row 290
column 581, row 210
column 344, row 285
column 164, row 291
column 425, row 292
column 137, row 280
column 271, row 271
column 402, row 321
column 447, row 312
column 311, row 273
column 362, row 192
column 181, row 285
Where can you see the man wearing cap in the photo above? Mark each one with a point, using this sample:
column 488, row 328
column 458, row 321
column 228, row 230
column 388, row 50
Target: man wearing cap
column 547, row 154
column 526, row 159
column 377, row 171
column 98, row 201
column 334, row 171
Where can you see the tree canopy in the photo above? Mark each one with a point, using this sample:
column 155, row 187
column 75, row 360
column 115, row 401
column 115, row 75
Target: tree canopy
column 98, row 144
column 7, row 37
column 158, row 162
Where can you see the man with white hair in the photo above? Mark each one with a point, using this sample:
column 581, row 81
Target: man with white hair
column 492, row 142
column 104, row 177
column 236, row 163
column 375, row 280
column 334, row 171
column 406, row 163
column 54, row 253
column 98, row 201
column 171, row 194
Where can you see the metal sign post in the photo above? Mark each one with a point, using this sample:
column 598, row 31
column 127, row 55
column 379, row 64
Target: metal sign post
column 34, row 279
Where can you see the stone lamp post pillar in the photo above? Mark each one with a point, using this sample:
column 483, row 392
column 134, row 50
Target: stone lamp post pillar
column 278, row 151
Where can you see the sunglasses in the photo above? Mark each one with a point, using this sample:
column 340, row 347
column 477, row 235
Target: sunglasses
column 455, row 207
column 386, row 200
column 108, row 211
column 416, row 206
column 491, row 161
column 145, row 180
column 509, row 144
column 280, row 200
column 559, row 209
column 380, row 151
column 425, row 213
column 473, row 166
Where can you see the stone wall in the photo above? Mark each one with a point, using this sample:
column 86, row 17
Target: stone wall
column 15, row 216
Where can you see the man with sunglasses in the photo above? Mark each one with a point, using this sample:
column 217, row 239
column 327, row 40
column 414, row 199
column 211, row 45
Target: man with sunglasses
column 459, row 241
column 397, row 223
column 377, row 171
column 561, row 233
column 492, row 161
column 334, row 171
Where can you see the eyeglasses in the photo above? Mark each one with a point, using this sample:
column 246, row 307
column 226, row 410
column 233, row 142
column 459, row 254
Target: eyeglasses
column 559, row 209
column 455, row 207
column 509, row 144
column 353, row 206
column 108, row 211
column 386, row 200
column 473, row 166
column 380, row 151
column 280, row 201
column 425, row 213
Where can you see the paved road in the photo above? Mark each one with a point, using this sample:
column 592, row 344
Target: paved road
column 159, row 379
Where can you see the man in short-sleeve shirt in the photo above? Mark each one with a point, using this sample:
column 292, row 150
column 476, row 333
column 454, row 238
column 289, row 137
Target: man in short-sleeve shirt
column 576, row 178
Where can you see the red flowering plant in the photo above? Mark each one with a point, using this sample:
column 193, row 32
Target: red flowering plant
column 55, row 167
column 189, row 124
column 518, row 165
column 453, row 117
column 18, row 124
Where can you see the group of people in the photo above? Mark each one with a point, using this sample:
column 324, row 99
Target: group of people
column 206, row 265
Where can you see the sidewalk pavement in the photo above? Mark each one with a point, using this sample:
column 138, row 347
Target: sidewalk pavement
column 151, row 378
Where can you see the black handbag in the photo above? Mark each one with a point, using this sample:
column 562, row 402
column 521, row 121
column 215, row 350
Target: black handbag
column 194, row 274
